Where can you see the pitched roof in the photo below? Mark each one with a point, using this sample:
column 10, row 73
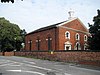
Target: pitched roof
column 56, row 25
column 46, row 28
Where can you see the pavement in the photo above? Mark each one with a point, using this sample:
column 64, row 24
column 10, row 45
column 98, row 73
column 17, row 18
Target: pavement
column 14, row 65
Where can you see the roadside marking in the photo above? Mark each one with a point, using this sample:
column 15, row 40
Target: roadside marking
column 30, row 62
column 34, row 72
column 4, row 61
column 8, row 64
column 66, row 74
column 25, row 71
column 14, row 70
column 11, row 64
column 15, row 65
column 42, row 68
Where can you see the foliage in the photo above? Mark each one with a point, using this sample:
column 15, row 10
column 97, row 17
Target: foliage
column 10, row 36
column 4, row 1
column 94, row 39
column 7, row 1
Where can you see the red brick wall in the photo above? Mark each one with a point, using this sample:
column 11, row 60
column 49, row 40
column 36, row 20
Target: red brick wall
column 58, row 37
column 76, row 24
column 6, row 53
column 91, row 58
column 62, row 38
column 43, row 35
column 9, row 53
column 1, row 53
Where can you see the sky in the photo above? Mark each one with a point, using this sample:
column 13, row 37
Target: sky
column 34, row 14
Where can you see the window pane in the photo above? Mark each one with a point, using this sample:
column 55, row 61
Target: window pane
column 49, row 43
column 77, row 36
column 38, row 44
column 67, row 35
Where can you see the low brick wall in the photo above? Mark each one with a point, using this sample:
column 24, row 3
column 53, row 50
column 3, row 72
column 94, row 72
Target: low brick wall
column 9, row 54
column 1, row 53
column 81, row 57
column 90, row 58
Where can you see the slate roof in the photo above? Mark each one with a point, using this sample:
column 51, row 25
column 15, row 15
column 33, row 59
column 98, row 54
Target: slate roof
column 46, row 28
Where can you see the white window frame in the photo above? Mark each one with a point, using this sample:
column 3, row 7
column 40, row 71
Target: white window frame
column 77, row 34
column 85, row 37
column 68, row 35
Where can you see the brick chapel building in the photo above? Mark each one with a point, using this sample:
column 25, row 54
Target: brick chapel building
column 67, row 35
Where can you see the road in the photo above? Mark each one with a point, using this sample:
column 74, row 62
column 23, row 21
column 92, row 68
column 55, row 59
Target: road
column 14, row 65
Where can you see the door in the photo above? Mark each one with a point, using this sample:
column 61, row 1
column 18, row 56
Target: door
column 67, row 47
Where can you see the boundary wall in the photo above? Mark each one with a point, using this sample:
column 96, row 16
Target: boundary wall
column 80, row 57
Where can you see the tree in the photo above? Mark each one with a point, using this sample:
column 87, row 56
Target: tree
column 94, row 39
column 4, row 1
column 23, row 33
column 7, row 1
column 10, row 36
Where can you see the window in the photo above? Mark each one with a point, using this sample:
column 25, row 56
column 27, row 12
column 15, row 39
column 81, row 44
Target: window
column 38, row 44
column 49, row 43
column 30, row 44
column 67, row 35
column 77, row 36
column 85, row 37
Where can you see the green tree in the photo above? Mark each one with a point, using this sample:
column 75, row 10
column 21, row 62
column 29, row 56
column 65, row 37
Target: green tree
column 94, row 39
column 10, row 36
column 7, row 1
column 23, row 33
column 4, row 1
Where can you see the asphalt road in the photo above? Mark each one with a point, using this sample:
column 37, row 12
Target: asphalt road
column 26, row 66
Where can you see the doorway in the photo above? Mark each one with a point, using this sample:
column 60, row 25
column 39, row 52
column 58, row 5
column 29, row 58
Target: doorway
column 68, row 45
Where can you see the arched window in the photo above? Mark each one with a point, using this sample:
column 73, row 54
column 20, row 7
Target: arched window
column 38, row 43
column 77, row 36
column 67, row 35
column 85, row 37
column 49, row 43
column 30, row 44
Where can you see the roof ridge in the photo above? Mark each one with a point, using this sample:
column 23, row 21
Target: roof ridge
column 46, row 27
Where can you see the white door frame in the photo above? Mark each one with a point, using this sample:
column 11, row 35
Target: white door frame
column 69, row 45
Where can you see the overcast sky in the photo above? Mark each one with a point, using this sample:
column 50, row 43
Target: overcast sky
column 33, row 14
